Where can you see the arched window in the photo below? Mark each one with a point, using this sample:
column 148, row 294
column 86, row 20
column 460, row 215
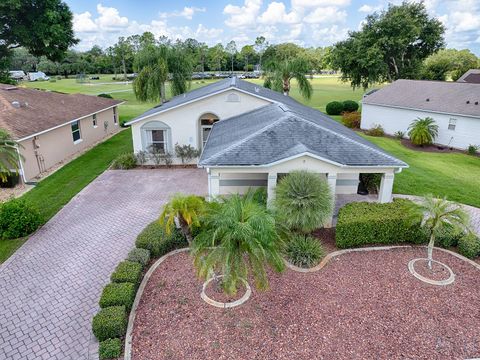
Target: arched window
column 156, row 136
column 206, row 122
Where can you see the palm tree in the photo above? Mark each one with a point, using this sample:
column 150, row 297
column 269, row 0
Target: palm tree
column 423, row 131
column 9, row 156
column 439, row 214
column 187, row 209
column 303, row 201
column 239, row 238
column 280, row 73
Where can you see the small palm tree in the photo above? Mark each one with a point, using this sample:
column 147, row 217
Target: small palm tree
column 279, row 74
column 187, row 209
column 303, row 201
column 423, row 131
column 239, row 238
column 439, row 214
column 9, row 155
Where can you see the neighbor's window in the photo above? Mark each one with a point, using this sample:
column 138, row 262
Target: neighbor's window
column 158, row 140
column 76, row 131
column 452, row 123
column 115, row 115
column 94, row 120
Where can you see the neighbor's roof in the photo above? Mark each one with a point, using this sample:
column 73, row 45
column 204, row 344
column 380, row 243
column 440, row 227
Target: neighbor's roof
column 436, row 96
column 41, row 111
column 217, row 87
column 471, row 76
column 277, row 132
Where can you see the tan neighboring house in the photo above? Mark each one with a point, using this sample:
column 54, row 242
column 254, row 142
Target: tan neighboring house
column 51, row 127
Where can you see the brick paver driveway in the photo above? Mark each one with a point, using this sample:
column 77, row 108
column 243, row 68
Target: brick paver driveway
column 50, row 287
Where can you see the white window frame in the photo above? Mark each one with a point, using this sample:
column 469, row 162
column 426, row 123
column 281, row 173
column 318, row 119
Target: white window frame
column 79, row 140
column 94, row 121
column 452, row 124
column 151, row 142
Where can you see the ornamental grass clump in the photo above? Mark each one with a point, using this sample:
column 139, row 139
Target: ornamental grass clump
column 304, row 251
column 303, row 201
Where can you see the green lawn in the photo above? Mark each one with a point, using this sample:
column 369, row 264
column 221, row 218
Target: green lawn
column 8, row 247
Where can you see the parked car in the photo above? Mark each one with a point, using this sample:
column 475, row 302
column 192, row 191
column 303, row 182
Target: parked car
column 17, row 74
column 36, row 76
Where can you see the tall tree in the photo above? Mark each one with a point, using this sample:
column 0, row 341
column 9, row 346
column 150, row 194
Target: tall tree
column 231, row 49
column 216, row 57
column 261, row 44
column 448, row 63
column 247, row 53
column 280, row 73
column 391, row 45
column 123, row 51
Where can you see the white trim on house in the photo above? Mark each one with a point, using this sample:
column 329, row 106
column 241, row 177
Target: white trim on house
column 22, row 170
column 421, row 110
column 201, row 98
column 68, row 122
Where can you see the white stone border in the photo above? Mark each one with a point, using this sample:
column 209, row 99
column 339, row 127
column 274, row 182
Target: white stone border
column 411, row 268
column 141, row 288
column 227, row 305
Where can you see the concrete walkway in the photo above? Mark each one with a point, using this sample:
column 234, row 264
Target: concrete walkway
column 49, row 289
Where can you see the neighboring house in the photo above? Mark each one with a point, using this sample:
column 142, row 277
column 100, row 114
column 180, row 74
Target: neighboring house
column 472, row 76
column 454, row 106
column 52, row 127
column 251, row 136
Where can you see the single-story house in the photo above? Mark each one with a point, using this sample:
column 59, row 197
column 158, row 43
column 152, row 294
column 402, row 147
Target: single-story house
column 251, row 136
column 455, row 107
column 50, row 127
column 471, row 76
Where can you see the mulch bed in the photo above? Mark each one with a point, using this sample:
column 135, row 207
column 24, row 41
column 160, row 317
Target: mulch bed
column 327, row 238
column 430, row 148
column 437, row 272
column 360, row 306
column 215, row 292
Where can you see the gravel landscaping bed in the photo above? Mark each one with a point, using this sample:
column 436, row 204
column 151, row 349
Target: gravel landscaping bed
column 361, row 305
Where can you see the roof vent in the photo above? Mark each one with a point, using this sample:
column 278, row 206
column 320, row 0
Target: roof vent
column 428, row 99
column 476, row 102
column 468, row 101
column 16, row 104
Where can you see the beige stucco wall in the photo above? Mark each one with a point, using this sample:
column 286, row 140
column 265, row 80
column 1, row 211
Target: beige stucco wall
column 184, row 121
column 57, row 145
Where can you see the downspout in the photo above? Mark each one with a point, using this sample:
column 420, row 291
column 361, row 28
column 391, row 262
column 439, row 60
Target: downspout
column 22, row 170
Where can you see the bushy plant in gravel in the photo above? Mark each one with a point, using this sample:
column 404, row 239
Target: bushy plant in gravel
column 304, row 251
column 363, row 223
column 141, row 256
column 127, row 271
column 334, row 108
column 110, row 349
column 154, row 239
column 469, row 246
column 351, row 119
column 18, row 219
column 303, row 201
column 110, row 323
column 124, row 162
column 118, row 294
column 350, row 106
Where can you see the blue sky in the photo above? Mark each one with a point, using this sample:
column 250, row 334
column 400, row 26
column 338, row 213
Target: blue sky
column 306, row 22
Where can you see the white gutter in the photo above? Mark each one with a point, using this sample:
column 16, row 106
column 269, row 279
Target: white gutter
column 22, row 170
column 68, row 122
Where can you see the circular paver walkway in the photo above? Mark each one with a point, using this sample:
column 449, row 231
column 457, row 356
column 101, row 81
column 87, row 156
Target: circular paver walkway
column 50, row 287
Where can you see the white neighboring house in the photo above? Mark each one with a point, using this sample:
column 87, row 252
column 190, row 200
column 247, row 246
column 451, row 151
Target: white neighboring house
column 251, row 136
column 455, row 107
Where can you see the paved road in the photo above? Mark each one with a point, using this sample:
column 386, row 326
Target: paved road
column 49, row 289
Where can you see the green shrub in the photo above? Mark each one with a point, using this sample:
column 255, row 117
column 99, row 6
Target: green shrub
column 375, row 130
column 11, row 180
column 153, row 238
column 399, row 135
column 118, row 294
column 350, row 106
column 447, row 237
column 18, row 219
column 124, row 162
column 186, row 152
column 304, row 251
column 352, row 119
column 107, row 96
column 363, row 223
column 52, row 80
column 110, row 323
column 141, row 256
column 423, row 131
column 303, row 201
column 334, row 108
column 110, row 349
column 127, row 271
column 469, row 246
column 472, row 149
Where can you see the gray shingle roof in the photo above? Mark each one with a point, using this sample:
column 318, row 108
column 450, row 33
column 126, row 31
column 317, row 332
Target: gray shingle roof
column 471, row 76
column 443, row 96
column 278, row 131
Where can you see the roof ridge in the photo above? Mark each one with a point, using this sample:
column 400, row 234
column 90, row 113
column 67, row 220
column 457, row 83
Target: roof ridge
column 245, row 139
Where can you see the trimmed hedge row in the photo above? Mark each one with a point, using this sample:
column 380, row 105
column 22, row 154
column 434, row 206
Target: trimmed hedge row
column 365, row 223
column 110, row 324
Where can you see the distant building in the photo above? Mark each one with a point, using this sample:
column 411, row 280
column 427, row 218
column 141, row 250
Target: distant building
column 472, row 76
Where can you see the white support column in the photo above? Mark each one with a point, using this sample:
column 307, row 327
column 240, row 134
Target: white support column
column 271, row 185
column 332, row 183
column 386, row 188
column 213, row 186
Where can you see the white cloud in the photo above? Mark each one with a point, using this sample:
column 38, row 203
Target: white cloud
column 319, row 3
column 187, row 13
column 329, row 35
column 369, row 8
column 110, row 19
column 276, row 13
column 205, row 33
column 324, row 15
column 242, row 16
column 84, row 23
